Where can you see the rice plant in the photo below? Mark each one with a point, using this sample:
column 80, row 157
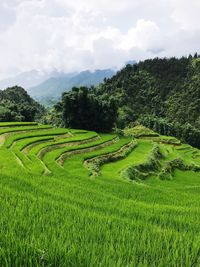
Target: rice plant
column 55, row 213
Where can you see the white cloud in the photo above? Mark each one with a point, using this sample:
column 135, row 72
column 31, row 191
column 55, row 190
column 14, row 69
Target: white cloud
column 80, row 34
column 144, row 35
column 186, row 14
column 7, row 16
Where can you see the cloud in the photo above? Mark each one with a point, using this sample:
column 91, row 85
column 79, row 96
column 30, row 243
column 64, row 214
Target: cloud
column 144, row 35
column 186, row 14
column 87, row 34
column 7, row 16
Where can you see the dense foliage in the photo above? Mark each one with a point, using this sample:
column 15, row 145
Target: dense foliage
column 17, row 105
column 81, row 109
column 185, row 132
column 167, row 88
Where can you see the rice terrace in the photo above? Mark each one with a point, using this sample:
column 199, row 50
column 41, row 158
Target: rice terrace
column 99, row 133
column 78, row 198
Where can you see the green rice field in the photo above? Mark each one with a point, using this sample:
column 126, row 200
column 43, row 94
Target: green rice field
column 78, row 198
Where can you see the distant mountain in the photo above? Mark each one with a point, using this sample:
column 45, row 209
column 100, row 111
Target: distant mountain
column 50, row 90
column 30, row 78
column 47, row 87
column 25, row 79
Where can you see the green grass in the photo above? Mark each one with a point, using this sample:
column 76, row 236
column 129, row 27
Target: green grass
column 50, row 132
column 14, row 124
column 11, row 130
column 51, row 159
column 78, row 137
column 137, row 156
column 139, row 131
column 74, row 165
column 65, row 217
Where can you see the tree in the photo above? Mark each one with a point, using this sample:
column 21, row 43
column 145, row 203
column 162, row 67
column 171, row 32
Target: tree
column 17, row 105
column 83, row 110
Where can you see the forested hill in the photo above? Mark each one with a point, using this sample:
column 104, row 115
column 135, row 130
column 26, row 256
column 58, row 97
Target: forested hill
column 167, row 88
column 161, row 94
column 17, row 105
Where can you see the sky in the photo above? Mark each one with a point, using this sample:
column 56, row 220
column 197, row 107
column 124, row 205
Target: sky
column 75, row 35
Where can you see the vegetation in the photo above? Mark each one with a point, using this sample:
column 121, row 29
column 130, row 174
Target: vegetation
column 17, row 105
column 139, row 131
column 72, row 197
column 81, row 109
column 158, row 87
column 153, row 93
column 54, row 213
column 185, row 132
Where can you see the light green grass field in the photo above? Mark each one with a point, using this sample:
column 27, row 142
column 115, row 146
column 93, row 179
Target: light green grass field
column 55, row 213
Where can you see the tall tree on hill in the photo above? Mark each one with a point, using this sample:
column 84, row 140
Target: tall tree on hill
column 82, row 110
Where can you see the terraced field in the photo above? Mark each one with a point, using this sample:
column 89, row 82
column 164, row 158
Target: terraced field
column 78, row 198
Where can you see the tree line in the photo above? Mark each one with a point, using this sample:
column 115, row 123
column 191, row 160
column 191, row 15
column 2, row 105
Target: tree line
column 185, row 132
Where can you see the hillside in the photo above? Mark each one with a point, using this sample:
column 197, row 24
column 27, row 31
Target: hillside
column 52, row 88
column 167, row 88
column 17, row 105
column 162, row 94
column 78, row 198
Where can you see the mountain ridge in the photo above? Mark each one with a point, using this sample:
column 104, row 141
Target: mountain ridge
column 52, row 88
column 27, row 79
